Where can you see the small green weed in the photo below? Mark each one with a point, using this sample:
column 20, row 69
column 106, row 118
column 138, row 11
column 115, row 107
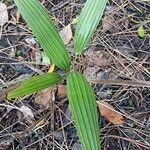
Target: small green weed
column 80, row 94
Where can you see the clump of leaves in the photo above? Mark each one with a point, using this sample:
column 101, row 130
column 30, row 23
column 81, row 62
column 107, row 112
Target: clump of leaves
column 81, row 97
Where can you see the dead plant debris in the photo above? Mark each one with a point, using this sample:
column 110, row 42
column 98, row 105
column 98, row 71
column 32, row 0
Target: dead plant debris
column 108, row 111
column 116, row 62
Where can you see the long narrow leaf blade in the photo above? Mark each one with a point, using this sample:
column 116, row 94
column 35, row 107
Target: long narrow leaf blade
column 87, row 23
column 83, row 107
column 34, row 84
column 43, row 28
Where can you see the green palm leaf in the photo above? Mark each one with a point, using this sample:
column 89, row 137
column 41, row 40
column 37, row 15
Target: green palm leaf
column 83, row 107
column 43, row 28
column 34, row 84
column 87, row 23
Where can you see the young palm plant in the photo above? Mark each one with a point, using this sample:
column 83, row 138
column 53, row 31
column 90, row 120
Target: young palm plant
column 81, row 97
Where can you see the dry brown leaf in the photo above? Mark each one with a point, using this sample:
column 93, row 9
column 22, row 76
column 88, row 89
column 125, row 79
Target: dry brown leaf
column 66, row 34
column 3, row 14
column 107, row 111
column 18, row 15
column 108, row 21
column 51, row 68
column 46, row 96
column 96, row 58
column 27, row 112
column 61, row 91
column 92, row 72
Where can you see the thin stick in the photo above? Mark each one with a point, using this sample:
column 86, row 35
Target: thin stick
column 122, row 82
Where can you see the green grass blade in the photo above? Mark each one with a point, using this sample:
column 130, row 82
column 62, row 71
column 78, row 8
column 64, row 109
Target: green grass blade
column 83, row 107
column 87, row 23
column 43, row 28
column 34, row 84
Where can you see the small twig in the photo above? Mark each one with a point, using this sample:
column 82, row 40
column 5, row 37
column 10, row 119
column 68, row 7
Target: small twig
column 60, row 5
column 122, row 82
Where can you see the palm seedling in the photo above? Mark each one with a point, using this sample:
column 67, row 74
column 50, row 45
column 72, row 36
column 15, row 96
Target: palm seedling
column 81, row 97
